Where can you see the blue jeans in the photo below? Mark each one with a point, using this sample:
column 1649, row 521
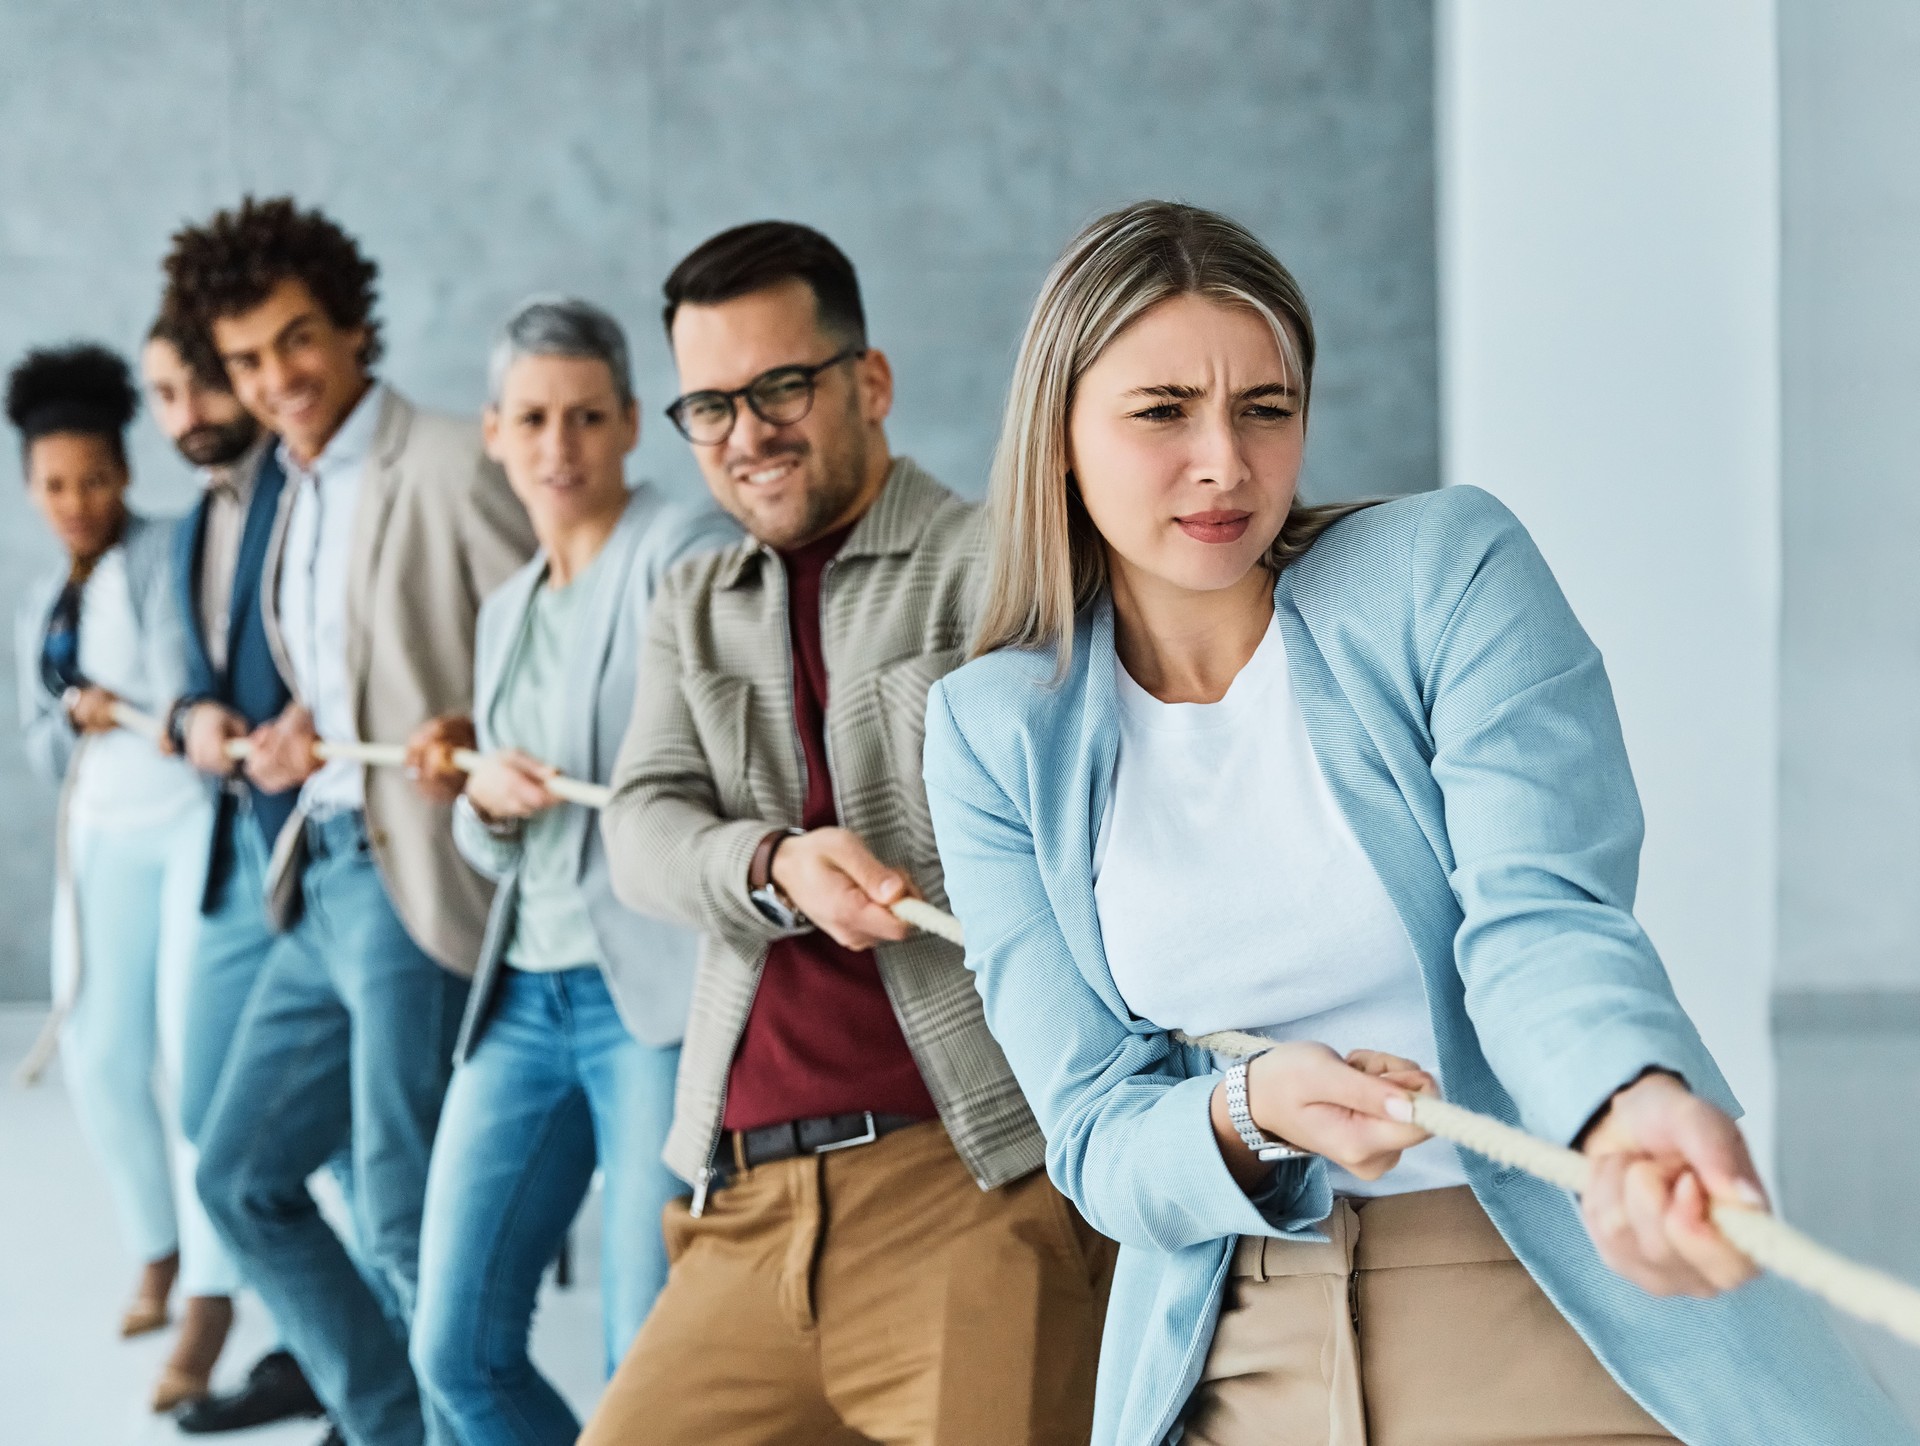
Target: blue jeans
column 235, row 940
column 348, row 1038
column 554, row 1084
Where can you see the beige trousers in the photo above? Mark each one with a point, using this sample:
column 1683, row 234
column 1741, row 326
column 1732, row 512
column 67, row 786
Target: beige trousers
column 868, row 1295
column 1414, row 1325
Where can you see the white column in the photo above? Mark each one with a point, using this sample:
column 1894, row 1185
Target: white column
column 1608, row 184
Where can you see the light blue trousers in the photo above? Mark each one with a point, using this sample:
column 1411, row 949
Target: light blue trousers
column 135, row 898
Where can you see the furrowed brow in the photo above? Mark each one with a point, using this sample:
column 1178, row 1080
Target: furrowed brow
column 1269, row 389
column 1170, row 392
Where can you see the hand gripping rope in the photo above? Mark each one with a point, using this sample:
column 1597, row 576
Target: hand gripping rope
column 374, row 755
column 1765, row 1239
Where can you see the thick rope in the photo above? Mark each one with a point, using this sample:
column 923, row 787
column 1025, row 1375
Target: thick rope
column 1769, row 1242
column 372, row 755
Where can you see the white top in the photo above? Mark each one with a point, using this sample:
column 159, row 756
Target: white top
column 1233, row 893
column 124, row 784
column 313, row 594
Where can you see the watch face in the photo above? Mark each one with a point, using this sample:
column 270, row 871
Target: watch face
column 771, row 909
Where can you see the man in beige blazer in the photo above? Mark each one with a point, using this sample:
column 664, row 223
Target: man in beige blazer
column 391, row 529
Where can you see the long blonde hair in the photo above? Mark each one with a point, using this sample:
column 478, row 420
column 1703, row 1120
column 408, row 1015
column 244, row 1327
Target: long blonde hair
column 1046, row 560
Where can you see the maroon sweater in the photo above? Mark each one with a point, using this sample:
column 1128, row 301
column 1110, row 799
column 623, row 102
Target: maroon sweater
column 822, row 1037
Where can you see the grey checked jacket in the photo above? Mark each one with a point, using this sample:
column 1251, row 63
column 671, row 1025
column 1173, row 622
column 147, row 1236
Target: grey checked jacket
column 711, row 763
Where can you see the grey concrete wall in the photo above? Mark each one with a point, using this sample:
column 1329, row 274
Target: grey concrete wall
column 486, row 150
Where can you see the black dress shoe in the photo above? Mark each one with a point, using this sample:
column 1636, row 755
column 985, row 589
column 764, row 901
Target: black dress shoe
column 275, row 1391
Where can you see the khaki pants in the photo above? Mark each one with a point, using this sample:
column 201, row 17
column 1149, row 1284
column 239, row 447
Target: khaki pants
column 874, row 1294
column 1413, row 1326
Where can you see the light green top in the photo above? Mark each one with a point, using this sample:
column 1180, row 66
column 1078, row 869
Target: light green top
column 551, row 927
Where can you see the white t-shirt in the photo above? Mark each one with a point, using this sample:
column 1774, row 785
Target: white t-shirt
column 125, row 784
column 1233, row 893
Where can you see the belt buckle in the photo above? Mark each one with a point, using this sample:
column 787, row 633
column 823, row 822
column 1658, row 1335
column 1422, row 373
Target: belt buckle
column 868, row 1138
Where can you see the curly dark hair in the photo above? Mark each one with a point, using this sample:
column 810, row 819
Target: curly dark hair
column 79, row 388
column 232, row 263
column 178, row 330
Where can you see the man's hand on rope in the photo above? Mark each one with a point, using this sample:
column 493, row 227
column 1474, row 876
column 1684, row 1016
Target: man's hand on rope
column 210, row 728
column 90, row 710
column 508, row 784
column 430, row 756
column 1659, row 1153
column 280, row 753
column 834, row 879
column 1341, row 1109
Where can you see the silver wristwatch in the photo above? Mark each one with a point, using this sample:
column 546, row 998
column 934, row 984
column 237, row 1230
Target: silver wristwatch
column 770, row 899
column 1264, row 1146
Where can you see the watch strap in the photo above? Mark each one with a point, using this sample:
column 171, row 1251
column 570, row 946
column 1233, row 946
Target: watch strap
column 1265, row 1147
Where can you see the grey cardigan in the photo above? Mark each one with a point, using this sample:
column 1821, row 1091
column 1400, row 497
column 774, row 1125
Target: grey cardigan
column 50, row 735
column 648, row 964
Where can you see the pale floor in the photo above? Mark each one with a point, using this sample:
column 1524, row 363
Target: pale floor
column 65, row 1379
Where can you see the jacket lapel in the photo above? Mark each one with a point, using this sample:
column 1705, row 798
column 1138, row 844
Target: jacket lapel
column 593, row 641
column 270, row 569
column 187, row 557
column 1363, row 782
column 269, row 482
column 379, row 486
column 490, row 666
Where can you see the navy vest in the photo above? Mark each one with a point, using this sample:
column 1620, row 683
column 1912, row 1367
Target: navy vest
column 250, row 684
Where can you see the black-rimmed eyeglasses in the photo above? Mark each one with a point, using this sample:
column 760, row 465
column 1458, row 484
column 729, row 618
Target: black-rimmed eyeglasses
column 779, row 398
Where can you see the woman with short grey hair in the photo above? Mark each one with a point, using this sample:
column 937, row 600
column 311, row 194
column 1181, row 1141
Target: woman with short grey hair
column 572, row 1036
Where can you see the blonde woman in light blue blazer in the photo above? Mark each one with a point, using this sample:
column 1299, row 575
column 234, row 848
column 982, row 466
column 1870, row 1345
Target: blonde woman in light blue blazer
column 1353, row 779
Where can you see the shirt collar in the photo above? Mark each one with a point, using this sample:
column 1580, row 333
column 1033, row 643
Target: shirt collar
column 350, row 444
column 236, row 477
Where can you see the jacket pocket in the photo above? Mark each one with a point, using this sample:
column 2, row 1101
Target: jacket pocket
column 898, row 693
column 720, row 705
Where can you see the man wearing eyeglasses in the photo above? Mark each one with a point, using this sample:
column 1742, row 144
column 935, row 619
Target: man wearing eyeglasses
column 872, row 1252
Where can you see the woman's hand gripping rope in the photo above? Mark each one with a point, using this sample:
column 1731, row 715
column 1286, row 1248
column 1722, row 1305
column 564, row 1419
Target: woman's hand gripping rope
column 1764, row 1239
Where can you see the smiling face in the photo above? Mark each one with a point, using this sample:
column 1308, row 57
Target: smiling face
column 207, row 424
column 786, row 484
column 296, row 371
column 562, row 432
column 1186, row 437
column 79, row 484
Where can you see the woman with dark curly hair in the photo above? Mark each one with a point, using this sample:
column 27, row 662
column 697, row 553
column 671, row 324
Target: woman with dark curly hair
column 100, row 628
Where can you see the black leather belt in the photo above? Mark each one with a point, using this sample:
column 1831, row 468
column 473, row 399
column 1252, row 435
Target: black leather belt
column 816, row 1136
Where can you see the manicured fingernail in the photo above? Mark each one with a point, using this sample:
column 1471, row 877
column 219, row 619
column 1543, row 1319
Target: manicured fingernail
column 889, row 891
column 1748, row 1193
column 1400, row 1108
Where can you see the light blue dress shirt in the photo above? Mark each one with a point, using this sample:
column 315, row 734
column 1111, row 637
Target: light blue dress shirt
column 313, row 594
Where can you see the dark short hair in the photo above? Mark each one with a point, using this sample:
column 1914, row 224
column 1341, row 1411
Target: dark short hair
column 233, row 262
column 761, row 254
column 177, row 330
column 81, row 388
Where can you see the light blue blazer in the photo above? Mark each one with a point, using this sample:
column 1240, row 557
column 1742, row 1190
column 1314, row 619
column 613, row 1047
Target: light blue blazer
column 648, row 964
column 1465, row 723
column 50, row 734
